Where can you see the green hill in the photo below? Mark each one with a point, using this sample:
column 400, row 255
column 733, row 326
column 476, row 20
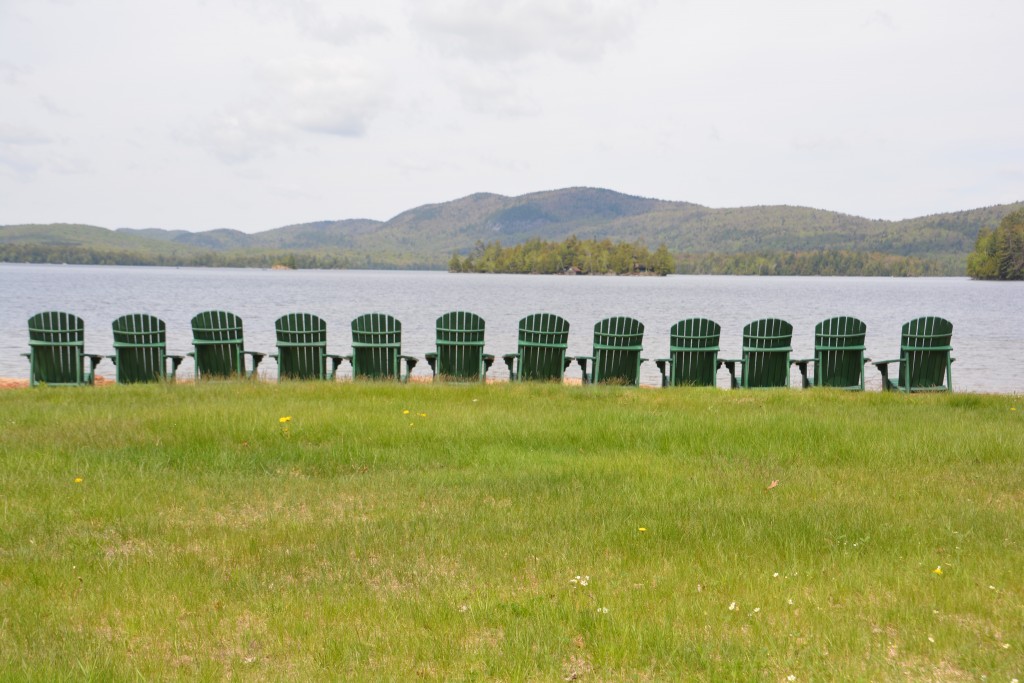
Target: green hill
column 428, row 235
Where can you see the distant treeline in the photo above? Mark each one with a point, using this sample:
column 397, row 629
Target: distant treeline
column 570, row 256
column 45, row 253
column 999, row 254
column 822, row 262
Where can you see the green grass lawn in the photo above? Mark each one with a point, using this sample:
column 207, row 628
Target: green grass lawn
column 510, row 533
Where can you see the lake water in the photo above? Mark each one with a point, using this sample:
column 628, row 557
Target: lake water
column 988, row 317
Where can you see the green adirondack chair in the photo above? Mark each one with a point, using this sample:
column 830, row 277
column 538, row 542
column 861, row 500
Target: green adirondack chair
column 925, row 362
column 766, row 349
column 377, row 349
column 543, row 340
column 693, row 354
column 838, row 355
column 302, row 348
column 617, row 346
column 140, row 350
column 57, row 354
column 217, row 337
column 460, row 348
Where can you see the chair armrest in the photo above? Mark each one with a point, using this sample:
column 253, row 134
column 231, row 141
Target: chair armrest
column 335, row 364
column 802, row 364
column 582, row 362
column 510, row 363
column 175, row 362
column 410, row 363
column 665, row 368
column 94, row 360
column 488, row 362
column 730, row 365
column 431, row 357
column 883, row 368
column 256, row 358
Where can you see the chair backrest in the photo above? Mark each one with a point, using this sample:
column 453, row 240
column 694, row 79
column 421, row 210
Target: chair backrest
column 766, row 349
column 617, row 345
column 57, row 346
column 217, row 337
column 693, row 348
column 376, row 346
column 839, row 352
column 460, row 346
column 543, row 340
column 140, row 348
column 301, row 346
column 925, row 351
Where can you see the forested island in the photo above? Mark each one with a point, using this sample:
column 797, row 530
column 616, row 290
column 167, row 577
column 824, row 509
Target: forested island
column 572, row 256
column 592, row 257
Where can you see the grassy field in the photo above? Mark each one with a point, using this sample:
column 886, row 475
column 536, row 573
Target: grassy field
column 380, row 532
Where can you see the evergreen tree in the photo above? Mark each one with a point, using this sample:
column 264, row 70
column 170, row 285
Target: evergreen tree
column 999, row 254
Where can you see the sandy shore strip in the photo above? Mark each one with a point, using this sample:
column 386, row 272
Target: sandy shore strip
column 22, row 383
column 100, row 381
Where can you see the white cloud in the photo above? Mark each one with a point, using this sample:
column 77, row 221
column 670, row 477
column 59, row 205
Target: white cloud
column 335, row 96
column 11, row 134
column 334, row 22
column 515, row 30
column 235, row 137
column 291, row 97
column 11, row 74
column 495, row 91
column 26, row 151
column 15, row 153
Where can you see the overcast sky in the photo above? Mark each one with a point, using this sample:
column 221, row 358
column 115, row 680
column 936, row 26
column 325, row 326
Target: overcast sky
column 253, row 114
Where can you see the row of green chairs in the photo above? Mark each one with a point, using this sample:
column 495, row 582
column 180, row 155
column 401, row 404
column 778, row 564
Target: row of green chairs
column 57, row 351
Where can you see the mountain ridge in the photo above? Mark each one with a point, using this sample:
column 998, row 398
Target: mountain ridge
column 427, row 235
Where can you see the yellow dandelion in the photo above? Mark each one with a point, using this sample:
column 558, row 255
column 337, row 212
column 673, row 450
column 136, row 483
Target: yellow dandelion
column 937, row 571
column 78, row 480
column 405, row 412
column 422, row 414
column 286, row 418
column 642, row 529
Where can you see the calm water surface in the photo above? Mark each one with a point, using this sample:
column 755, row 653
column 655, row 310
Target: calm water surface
column 987, row 316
